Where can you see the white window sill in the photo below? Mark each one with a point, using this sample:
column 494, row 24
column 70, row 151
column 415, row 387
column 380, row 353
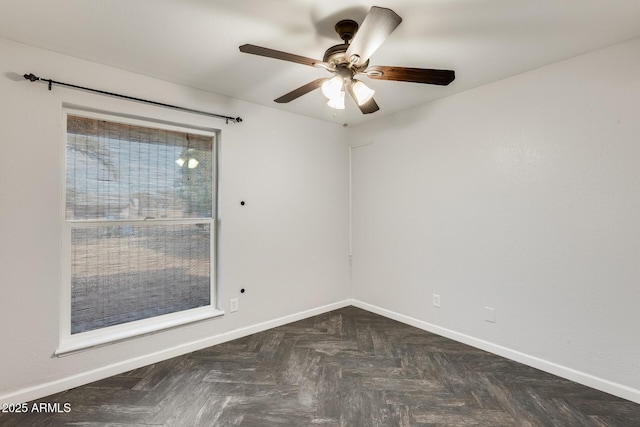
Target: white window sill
column 87, row 340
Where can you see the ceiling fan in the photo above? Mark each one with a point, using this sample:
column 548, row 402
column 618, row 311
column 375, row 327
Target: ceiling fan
column 351, row 58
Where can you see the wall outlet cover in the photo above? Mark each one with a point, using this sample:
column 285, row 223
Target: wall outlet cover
column 490, row 314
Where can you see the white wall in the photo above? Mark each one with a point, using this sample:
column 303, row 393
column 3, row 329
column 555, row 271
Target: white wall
column 287, row 246
column 522, row 195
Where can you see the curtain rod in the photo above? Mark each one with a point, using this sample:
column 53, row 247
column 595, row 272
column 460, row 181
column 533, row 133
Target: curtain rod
column 33, row 78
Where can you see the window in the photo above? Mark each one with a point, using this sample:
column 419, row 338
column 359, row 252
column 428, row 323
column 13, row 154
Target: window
column 139, row 226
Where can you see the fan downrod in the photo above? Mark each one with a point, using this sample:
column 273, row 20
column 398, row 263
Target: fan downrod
column 346, row 29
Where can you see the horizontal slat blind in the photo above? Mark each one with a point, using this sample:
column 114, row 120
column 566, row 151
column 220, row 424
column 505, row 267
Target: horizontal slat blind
column 119, row 171
column 124, row 267
column 126, row 273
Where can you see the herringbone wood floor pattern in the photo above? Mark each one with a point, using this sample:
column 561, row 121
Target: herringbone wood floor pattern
column 348, row 367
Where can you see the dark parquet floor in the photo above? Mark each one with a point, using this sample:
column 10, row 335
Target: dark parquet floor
column 349, row 368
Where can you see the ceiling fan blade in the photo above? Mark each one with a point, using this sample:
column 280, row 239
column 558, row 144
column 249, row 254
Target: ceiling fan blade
column 368, row 107
column 276, row 54
column 415, row 75
column 376, row 27
column 302, row 90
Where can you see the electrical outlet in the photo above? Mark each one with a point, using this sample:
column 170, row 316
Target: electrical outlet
column 436, row 300
column 490, row 314
column 233, row 306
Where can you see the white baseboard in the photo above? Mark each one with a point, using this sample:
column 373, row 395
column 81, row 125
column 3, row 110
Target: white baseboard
column 57, row 386
column 43, row 390
column 588, row 380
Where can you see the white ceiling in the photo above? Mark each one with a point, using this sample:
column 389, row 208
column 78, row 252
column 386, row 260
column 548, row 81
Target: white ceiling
column 195, row 42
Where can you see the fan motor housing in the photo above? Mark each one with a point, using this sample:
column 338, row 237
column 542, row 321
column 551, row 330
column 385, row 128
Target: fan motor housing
column 335, row 56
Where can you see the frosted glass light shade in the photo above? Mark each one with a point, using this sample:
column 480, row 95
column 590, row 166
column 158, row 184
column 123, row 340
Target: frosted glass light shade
column 362, row 92
column 337, row 102
column 332, row 87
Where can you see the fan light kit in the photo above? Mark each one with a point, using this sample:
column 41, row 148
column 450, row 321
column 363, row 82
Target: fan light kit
column 351, row 58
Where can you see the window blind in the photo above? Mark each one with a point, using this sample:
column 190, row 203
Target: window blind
column 123, row 266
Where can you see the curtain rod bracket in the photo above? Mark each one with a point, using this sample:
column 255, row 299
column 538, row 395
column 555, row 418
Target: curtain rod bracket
column 33, row 78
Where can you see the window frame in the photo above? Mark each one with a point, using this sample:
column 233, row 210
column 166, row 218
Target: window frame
column 69, row 343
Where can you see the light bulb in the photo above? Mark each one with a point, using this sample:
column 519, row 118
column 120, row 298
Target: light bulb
column 337, row 102
column 192, row 163
column 332, row 87
column 180, row 161
column 362, row 92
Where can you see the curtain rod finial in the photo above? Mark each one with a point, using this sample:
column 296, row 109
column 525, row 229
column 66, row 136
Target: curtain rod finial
column 31, row 77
